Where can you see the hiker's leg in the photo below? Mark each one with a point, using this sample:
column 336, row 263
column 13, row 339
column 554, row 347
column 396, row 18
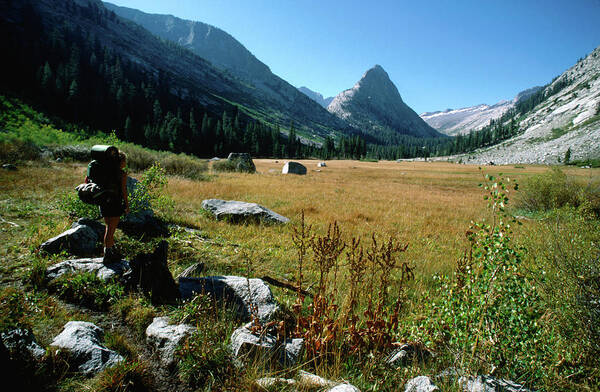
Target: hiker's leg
column 109, row 233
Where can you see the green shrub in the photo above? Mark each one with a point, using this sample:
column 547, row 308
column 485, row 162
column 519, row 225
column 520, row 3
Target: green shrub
column 87, row 289
column 489, row 313
column 70, row 203
column 565, row 253
column 224, row 165
column 120, row 344
column 555, row 189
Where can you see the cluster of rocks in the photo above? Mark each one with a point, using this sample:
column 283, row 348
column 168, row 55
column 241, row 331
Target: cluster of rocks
column 466, row 383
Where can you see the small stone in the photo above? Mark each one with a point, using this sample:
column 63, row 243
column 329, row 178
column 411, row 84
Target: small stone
column 274, row 383
column 246, row 344
column 312, row 381
column 344, row 388
column 321, row 164
column 489, row 384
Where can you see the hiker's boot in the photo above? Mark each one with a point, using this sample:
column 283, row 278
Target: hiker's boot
column 107, row 258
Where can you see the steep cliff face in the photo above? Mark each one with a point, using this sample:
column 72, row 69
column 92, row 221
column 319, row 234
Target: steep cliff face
column 567, row 117
column 374, row 106
column 281, row 100
column 462, row 121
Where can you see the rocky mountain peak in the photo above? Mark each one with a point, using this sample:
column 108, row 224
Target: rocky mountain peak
column 375, row 106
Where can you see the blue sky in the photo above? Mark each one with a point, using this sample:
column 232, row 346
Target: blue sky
column 440, row 54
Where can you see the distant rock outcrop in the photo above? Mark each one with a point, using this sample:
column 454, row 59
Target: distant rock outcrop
column 462, row 121
column 374, row 105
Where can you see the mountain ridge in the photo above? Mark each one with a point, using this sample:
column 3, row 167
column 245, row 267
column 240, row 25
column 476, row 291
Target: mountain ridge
column 224, row 51
column 472, row 118
column 375, row 106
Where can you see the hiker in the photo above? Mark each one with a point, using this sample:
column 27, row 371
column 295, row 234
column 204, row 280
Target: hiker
column 109, row 173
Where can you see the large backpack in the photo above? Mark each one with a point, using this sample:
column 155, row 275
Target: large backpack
column 97, row 188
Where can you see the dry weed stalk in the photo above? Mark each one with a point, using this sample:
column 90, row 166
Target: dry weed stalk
column 329, row 327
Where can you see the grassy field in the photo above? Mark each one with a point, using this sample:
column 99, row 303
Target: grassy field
column 428, row 205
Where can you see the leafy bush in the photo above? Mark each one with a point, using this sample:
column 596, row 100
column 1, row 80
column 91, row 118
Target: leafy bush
column 224, row 165
column 149, row 192
column 489, row 315
column 567, row 259
column 555, row 189
column 87, row 289
column 70, row 203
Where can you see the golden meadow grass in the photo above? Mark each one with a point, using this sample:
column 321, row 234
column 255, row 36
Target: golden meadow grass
column 429, row 205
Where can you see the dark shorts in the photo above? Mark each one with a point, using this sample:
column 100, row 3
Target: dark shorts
column 113, row 207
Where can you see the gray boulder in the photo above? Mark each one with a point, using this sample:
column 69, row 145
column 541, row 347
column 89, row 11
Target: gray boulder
column 420, row 384
column 241, row 212
column 165, row 338
column 82, row 239
column 242, row 294
column 489, row 384
column 246, row 344
column 293, row 168
column 83, row 341
column 94, row 265
column 21, row 342
column 321, row 164
column 243, row 162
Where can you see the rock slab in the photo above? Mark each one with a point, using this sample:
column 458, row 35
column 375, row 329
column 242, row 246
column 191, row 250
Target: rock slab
column 82, row 239
column 241, row 212
column 94, row 265
column 293, row 168
column 83, row 340
column 245, row 296
column 165, row 338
